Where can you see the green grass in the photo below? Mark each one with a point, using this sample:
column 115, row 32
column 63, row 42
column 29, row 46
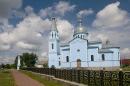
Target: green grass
column 41, row 79
column 6, row 78
column 126, row 68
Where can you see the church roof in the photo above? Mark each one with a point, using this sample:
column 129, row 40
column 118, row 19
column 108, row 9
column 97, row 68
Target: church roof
column 64, row 45
column 105, row 51
column 109, row 46
column 91, row 47
column 94, row 42
column 66, row 49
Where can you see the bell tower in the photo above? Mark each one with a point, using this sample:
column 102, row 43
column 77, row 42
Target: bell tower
column 54, row 48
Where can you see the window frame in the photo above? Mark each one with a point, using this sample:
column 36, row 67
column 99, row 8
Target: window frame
column 59, row 63
column 103, row 57
column 52, row 46
column 67, row 58
column 92, row 57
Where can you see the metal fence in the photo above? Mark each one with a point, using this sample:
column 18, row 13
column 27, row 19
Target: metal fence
column 89, row 77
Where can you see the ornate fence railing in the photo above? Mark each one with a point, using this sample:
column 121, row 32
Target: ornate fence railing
column 89, row 77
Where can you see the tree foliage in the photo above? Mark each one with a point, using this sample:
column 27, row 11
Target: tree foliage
column 27, row 59
column 6, row 66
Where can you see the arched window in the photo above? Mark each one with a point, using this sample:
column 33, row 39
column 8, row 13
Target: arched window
column 59, row 63
column 92, row 58
column 81, row 36
column 52, row 35
column 67, row 58
column 52, row 46
column 55, row 34
column 103, row 57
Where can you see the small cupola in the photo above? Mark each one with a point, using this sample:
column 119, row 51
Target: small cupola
column 54, row 32
column 54, row 26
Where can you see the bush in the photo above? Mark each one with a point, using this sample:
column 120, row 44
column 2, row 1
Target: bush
column 45, row 65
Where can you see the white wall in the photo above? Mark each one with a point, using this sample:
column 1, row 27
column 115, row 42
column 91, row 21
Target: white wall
column 116, row 56
column 63, row 58
column 75, row 45
column 99, row 45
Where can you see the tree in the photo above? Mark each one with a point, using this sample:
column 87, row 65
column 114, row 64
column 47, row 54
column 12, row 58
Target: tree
column 27, row 59
column 7, row 66
column 2, row 66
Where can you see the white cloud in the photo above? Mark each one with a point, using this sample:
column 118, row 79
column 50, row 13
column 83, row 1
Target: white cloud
column 125, row 53
column 5, row 26
column 46, row 12
column 27, row 31
column 6, row 6
column 6, row 60
column 98, row 36
column 39, row 35
column 85, row 12
column 28, row 35
column 111, row 16
column 65, row 29
column 24, row 45
column 4, row 47
column 57, row 9
column 44, row 54
column 28, row 10
column 63, row 7
column 113, row 23
column 116, row 38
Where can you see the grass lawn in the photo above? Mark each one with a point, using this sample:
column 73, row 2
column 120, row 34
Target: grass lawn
column 6, row 78
column 41, row 79
column 126, row 68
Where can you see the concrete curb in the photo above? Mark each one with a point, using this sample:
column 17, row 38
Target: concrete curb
column 64, row 82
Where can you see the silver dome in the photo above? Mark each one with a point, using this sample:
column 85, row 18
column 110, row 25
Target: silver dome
column 80, row 29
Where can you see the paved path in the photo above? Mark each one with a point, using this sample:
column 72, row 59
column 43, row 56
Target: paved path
column 23, row 80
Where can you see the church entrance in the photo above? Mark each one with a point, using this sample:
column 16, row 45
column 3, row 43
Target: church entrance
column 78, row 63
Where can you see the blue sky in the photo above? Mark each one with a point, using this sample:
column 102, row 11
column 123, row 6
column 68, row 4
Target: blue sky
column 25, row 24
column 80, row 5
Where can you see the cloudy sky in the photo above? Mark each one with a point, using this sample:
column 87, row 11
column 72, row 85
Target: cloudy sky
column 25, row 24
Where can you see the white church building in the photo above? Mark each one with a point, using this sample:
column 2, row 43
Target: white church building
column 80, row 52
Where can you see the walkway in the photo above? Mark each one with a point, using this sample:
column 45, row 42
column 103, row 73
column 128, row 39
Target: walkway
column 23, row 80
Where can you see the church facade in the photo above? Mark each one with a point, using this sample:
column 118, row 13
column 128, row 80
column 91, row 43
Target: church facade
column 80, row 52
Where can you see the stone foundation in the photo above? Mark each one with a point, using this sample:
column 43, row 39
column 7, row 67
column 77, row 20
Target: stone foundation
column 96, row 68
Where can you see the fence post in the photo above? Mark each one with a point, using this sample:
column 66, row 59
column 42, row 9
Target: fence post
column 55, row 72
column 78, row 76
column 82, row 76
column 88, row 77
column 101, row 78
column 71, row 74
column 120, row 78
